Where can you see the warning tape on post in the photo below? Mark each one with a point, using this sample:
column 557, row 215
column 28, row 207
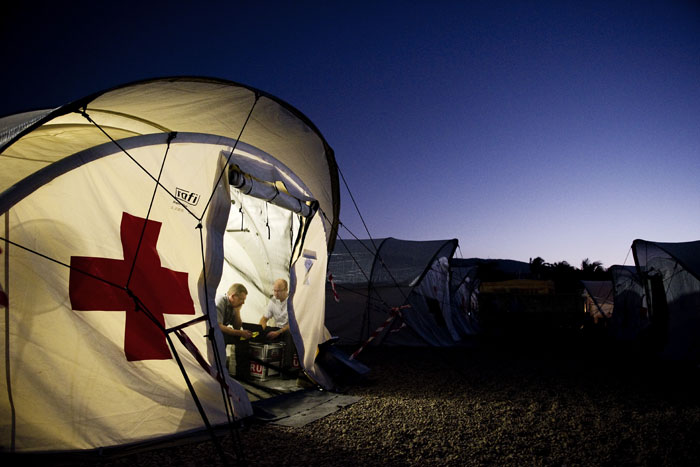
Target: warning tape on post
column 335, row 294
column 396, row 311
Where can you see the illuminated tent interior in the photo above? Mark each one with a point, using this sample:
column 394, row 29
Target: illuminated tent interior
column 122, row 215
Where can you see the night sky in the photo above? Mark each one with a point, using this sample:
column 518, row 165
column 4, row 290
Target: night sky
column 556, row 129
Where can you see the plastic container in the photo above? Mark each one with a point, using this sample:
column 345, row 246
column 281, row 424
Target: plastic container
column 270, row 354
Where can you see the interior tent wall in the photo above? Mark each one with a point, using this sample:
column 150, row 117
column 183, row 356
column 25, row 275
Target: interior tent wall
column 115, row 210
column 258, row 246
column 671, row 277
column 630, row 315
column 263, row 242
column 388, row 274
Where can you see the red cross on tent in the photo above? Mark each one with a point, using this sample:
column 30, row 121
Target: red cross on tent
column 161, row 290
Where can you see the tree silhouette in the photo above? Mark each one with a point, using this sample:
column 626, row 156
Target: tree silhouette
column 538, row 267
column 588, row 266
column 593, row 270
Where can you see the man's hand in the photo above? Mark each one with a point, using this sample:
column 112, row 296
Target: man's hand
column 244, row 333
column 273, row 334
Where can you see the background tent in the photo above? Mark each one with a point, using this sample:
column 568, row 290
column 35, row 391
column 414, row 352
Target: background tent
column 118, row 217
column 514, row 297
column 373, row 276
column 670, row 274
column 629, row 317
column 466, row 276
column 600, row 300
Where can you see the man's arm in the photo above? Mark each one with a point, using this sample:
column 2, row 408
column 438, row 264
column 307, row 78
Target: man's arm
column 235, row 332
column 237, row 321
column 263, row 322
column 276, row 334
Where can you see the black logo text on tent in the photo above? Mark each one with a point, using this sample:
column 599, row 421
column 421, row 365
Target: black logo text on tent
column 189, row 197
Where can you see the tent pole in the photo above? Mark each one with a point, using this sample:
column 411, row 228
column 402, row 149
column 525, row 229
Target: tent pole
column 214, row 439
column 13, row 416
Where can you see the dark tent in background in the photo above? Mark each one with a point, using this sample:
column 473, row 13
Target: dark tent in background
column 510, row 297
column 629, row 317
column 374, row 278
column 670, row 275
column 466, row 276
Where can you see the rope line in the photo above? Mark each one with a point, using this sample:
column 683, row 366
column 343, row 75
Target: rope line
column 150, row 207
column 347, row 187
column 122, row 149
column 228, row 159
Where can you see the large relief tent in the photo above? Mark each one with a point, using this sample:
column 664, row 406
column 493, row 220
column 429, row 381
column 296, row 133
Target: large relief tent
column 122, row 215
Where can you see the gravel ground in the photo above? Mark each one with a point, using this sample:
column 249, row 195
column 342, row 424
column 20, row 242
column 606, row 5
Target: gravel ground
column 546, row 406
column 549, row 404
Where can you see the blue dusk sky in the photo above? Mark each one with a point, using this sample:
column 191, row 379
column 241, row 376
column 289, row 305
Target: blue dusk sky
column 556, row 129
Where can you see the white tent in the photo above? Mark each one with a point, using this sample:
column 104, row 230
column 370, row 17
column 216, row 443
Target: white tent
column 374, row 278
column 120, row 214
column 670, row 273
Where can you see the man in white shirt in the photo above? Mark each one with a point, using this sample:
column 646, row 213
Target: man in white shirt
column 277, row 309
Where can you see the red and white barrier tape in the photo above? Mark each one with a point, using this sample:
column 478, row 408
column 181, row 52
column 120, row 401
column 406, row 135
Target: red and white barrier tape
column 394, row 313
column 335, row 294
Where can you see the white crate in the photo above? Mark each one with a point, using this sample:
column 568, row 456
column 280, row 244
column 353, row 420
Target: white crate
column 268, row 353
